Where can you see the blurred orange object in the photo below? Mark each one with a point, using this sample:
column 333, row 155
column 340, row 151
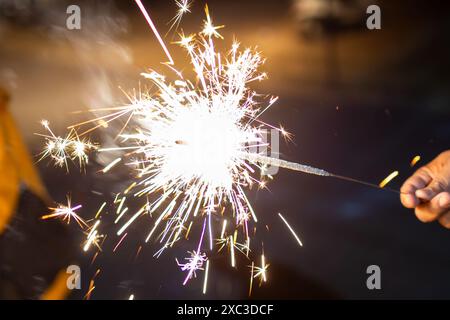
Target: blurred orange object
column 58, row 289
column 16, row 166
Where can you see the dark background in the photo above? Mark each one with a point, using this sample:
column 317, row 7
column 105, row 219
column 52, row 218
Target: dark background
column 359, row 103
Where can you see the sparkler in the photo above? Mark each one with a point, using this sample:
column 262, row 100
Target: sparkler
column 191, row 146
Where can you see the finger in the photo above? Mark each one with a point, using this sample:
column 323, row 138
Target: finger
column 409, row 200
column 444, row 220
column 418, row 180
column 433, row 209
column 428, row 193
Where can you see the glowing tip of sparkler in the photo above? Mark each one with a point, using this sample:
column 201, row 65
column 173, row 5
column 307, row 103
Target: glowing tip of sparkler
column 45, row 123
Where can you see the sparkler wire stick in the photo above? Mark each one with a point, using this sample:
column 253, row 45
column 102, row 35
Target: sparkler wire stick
column 254, row 157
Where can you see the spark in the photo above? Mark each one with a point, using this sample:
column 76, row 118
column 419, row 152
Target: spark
column 122, row 201
column 93, row 238
column 120, row 215
column 134, row 217
column 61, row 149
column 388, row 179
column 184, row 7
column 188, row 230
column 90, row 290
column 155, row 31
column 233, row 259
column 138, row 252
column 415, row 160
column 119, row 242
column 205, row 282
column 130, row 187
column 100, row 210
column 290, row 229
column 94, row 257
column 261, row 272
column 131, row 297
column 111, row 165
column 208, row 28
column 252, row 268
column 195, row 261
column 224, row 226
column 66, row 213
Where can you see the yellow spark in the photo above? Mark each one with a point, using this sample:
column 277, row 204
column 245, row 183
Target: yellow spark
column 205, row 282
column 208, row 28
column 129, row 188
column 93, row 237
column 262, row 271
column 134, row 217
column 290, row 229
column 89, row 292
column 388, row 179
column 186, row 41
column 263, row 267
column 121, row 215
column 224, row 226
column 251, row 279
column 414, row 161
column 119, row 208
column 188, row 230
column 233, row 261
column 100, row 210
column 112, row 164
column 60, row 149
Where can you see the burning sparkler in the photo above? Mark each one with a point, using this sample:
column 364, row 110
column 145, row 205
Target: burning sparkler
column 191, row 143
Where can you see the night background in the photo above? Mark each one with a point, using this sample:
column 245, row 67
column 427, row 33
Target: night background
column 359, row 102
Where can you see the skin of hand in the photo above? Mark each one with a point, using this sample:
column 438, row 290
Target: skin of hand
column 427, row 191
